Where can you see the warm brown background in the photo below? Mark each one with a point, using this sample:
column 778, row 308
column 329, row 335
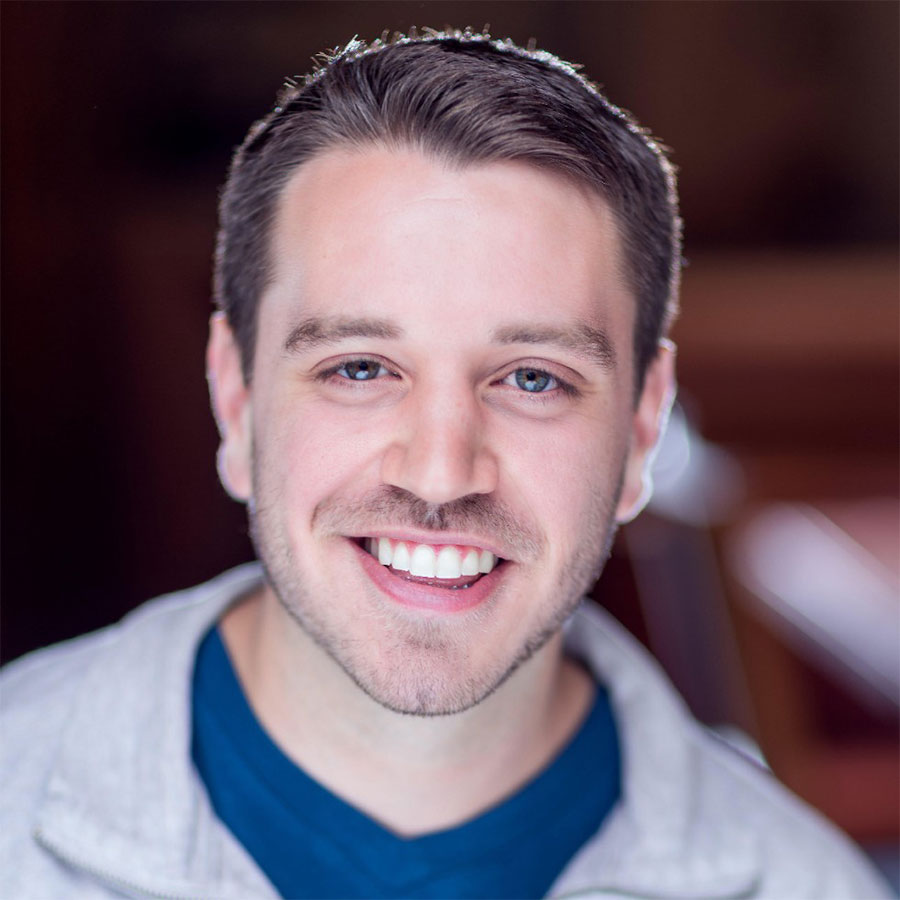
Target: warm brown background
column 118, row 123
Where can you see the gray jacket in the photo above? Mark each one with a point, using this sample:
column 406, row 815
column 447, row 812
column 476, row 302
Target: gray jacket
column 100, row 798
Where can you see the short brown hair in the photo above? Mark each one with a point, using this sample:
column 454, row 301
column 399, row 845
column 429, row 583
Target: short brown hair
column 464, row 98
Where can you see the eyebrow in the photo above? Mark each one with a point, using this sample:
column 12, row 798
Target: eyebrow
column 581, row 339
column 314, row 331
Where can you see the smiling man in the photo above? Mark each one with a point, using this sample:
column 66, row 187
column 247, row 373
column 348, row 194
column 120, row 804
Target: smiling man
column 445, row 272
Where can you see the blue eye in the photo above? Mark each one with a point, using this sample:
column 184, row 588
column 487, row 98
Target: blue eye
column 534, row 381
column 360, row 369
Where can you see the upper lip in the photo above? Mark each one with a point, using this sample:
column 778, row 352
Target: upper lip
column 413, row 536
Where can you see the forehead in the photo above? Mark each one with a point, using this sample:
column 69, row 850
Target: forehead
column 392, row 231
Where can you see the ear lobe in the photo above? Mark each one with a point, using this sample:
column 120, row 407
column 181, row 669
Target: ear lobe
column 231, row 406
column 647, row 426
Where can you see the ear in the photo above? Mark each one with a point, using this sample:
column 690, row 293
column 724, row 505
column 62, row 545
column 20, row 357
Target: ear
column 647, row 425
column 231, row 405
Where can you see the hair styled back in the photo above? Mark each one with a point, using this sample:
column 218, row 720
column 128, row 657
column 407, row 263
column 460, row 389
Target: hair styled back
column 465, row 99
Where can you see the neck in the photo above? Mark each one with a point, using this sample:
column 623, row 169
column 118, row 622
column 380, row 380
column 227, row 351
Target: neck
column 413, row 774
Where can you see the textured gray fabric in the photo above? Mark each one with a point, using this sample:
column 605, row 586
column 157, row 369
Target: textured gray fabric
column 100, row 798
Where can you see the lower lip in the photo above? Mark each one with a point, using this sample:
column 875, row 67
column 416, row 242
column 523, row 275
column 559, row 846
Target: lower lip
column 424, row 596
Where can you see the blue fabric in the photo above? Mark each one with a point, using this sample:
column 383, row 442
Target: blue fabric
column 310, row 843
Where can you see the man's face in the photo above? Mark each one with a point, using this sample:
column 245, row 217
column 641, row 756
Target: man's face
column 443, row 367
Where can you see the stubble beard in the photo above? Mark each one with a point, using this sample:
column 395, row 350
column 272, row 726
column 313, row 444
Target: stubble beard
column 422, row 666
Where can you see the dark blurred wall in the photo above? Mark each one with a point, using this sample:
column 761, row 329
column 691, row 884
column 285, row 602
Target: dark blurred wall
column 118, row 123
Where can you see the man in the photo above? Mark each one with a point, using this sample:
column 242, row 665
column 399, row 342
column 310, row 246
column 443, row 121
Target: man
column 445, row 271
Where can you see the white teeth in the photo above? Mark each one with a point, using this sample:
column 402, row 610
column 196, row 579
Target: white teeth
column 448, row 563
column 423, row 562
column 470, row 564
column 385, row 554
column 401, row 558
column 486, row 561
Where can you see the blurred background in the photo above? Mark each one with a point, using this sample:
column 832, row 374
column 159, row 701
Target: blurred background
column 765, row 574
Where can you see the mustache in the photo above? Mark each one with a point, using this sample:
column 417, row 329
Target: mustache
column 394, row 507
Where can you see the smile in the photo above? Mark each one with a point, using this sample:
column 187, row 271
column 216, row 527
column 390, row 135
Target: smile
column 436, row 562
column 439, row 577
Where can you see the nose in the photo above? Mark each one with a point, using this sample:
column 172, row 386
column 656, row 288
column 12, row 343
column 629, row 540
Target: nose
column 440, row 450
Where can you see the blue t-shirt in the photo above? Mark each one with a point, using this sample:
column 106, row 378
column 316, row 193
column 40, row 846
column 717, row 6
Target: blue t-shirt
column 311, row 843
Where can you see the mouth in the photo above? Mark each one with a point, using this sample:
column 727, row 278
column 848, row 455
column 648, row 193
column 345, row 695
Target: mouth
column 447, row 577
column 449, row 566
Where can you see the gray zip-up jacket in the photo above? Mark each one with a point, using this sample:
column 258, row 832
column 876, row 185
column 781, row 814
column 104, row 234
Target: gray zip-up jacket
column 100, row 799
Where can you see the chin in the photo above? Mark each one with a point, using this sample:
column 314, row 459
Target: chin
column 425, row 668
column 423, row 693
column 419, row 668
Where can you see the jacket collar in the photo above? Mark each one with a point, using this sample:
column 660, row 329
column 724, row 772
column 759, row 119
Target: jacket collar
column 124, row 803
column 657, row 843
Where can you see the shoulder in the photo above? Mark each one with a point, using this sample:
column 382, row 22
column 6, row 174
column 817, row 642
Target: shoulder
column 40, row 681
column 88, row 706
column 40, row 691
column 37, row 689
column 800, row 853
column 37, row 693
column 40, row 686
column 695, row 808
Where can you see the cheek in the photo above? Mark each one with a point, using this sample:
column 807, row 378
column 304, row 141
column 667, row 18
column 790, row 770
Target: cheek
column 307, row 451
column 566, row 473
